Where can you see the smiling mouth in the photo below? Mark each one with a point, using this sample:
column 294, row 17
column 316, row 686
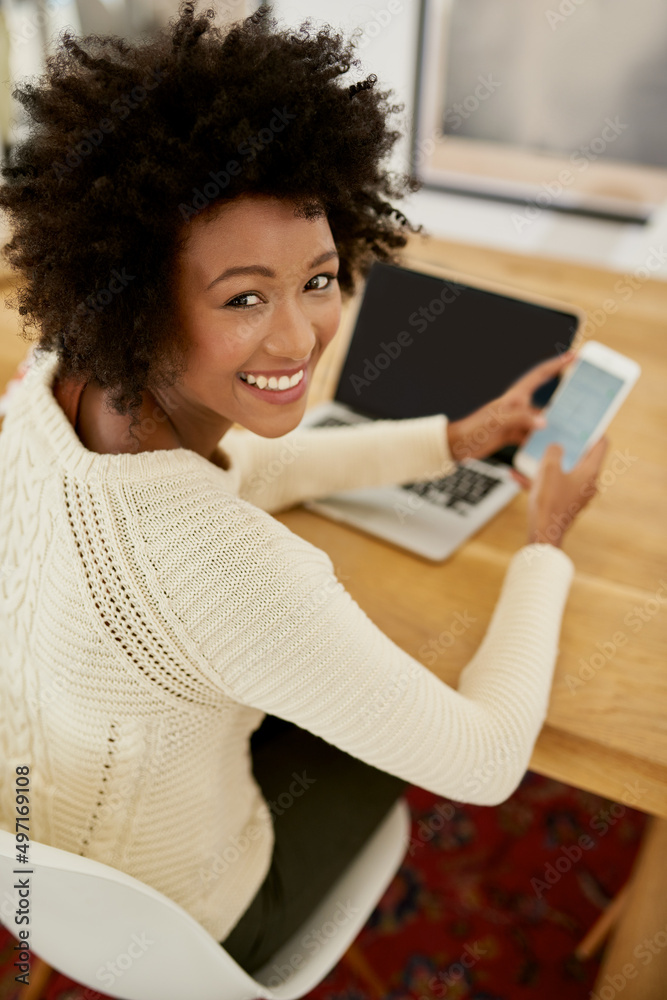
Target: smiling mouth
column 273, row 383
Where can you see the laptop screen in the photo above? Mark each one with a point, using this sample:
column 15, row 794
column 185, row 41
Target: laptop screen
column 423, row 345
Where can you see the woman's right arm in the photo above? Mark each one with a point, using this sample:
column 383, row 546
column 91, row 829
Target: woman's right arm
column 290, row 640
column 269, row 623
column 276, row 630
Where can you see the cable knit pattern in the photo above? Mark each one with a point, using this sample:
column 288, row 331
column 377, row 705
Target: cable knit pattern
column 152, row 611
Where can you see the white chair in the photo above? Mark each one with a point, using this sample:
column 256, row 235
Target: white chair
column 114, row 934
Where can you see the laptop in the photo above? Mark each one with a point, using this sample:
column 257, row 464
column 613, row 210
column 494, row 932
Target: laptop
column 424, row 343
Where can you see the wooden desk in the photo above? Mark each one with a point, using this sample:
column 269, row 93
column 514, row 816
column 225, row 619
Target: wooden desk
column 606, row 728
column 607, row 723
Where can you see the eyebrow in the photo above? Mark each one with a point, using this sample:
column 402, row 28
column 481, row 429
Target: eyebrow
column 266, row 272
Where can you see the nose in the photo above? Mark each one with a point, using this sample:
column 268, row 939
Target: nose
column 292, row 332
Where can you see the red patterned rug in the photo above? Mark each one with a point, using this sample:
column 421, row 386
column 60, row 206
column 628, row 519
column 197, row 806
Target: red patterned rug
column 489, row 903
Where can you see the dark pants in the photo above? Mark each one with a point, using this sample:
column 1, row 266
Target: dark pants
column 336, row 803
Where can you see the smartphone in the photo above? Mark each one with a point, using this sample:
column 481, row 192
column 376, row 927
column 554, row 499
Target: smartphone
column 591, row 391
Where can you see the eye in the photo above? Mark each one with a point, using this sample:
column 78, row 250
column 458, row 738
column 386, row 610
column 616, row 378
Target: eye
column 330, row 278
column 236, row 302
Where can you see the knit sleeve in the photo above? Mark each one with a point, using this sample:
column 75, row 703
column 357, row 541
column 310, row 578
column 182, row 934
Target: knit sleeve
column 278, row 473
column 278, row 632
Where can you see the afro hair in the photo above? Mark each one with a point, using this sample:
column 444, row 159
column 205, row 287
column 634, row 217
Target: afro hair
column 127, row 142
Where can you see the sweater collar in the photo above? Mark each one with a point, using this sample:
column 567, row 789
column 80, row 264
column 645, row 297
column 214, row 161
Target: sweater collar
column 36, row 405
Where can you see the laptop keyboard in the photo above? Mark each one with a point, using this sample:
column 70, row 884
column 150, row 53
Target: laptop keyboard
column 459, row 491
column 333, row 422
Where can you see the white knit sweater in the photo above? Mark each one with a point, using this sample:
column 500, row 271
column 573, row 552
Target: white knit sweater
column 152, row 610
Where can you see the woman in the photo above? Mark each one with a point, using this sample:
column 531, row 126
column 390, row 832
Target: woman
column 187, row 215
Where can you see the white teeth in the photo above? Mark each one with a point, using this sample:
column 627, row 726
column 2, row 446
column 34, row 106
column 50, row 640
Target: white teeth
column 276, row 384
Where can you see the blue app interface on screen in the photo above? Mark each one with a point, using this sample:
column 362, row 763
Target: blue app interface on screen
column 575, row 414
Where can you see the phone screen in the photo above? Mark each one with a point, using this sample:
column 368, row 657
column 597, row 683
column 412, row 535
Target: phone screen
column 575, row 413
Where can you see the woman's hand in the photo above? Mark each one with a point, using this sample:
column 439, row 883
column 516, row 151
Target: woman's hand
column 509, row 419
column 556, row 497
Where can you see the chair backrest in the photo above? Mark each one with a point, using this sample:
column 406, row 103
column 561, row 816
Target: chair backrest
column 114, row 934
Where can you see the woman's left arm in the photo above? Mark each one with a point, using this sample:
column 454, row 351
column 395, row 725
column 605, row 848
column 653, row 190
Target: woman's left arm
column 278, row 473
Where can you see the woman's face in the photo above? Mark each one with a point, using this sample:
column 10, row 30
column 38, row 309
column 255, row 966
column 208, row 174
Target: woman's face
column 257, row 299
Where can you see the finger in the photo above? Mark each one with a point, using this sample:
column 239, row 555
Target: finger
column 522, row 422
column 553, row 455
column 547, row 369
column 594, row 457
column 526, row 419
column 522, row 480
